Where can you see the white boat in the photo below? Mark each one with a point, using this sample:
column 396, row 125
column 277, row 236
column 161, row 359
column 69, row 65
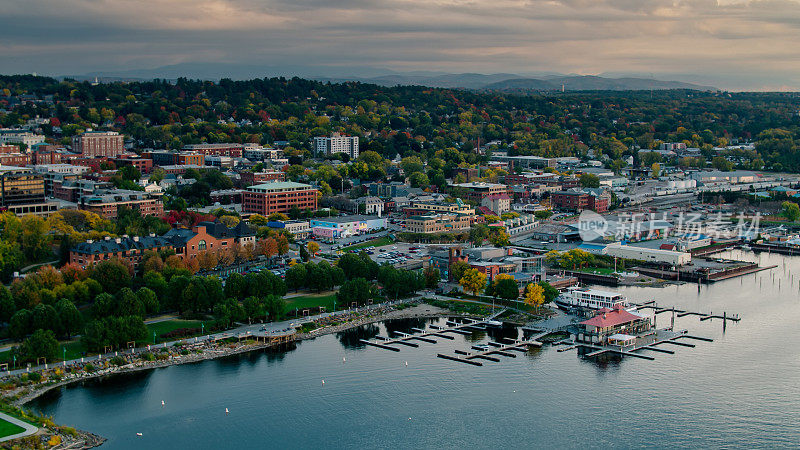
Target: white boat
column 593, row 299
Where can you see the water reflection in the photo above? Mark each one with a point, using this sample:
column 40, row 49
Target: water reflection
column 351, row 339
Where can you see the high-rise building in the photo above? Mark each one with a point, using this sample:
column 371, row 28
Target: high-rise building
column 337, row 144
column 99, row 143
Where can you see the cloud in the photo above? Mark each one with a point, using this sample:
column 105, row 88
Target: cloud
column 750, row 42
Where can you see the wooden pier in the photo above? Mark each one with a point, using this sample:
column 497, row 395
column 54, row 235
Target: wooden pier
column 427, row 336
column 682, row 312
column 495, row 348
column 671, row 338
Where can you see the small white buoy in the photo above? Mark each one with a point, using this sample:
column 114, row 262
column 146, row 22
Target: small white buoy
column 344, row 359
column 226, row 411
column 162, row 402
column 323, row 381
column 406, row 363
column 409, row 418
column 138, row 434
column 515, row 392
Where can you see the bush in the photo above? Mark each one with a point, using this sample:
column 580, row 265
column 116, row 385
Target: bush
column 118, row 361
column 89, row 368
column 35, row 377
column 147, row 356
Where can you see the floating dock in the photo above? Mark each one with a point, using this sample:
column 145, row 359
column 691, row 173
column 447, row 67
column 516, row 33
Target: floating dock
column 668, row 337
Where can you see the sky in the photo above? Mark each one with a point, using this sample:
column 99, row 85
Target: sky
column 730, row 44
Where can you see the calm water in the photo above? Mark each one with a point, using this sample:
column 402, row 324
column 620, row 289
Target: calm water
column 743, row 390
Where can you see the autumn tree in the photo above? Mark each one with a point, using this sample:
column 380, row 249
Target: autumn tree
column 534, row 295
column 473, row 281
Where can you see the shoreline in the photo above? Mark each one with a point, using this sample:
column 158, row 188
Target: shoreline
column 85, row 440
column 210, row 354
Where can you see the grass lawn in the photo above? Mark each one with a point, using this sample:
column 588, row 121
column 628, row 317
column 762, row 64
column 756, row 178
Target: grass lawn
column 8, row 428
column 597, row 270
column 373, row 243
column 74, row 348
column 311, row 301
column 170, row 325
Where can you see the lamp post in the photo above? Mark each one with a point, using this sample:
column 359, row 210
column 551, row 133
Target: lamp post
column 154, row 338
column 65, row 355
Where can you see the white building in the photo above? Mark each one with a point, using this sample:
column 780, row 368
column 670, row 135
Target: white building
column 674, row 258
column 14, row 136
column 336, row 144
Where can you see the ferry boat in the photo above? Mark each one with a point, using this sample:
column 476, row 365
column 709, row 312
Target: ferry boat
column 589, row 299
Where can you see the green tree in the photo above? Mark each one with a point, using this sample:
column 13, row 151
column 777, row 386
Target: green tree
column 296, row 277
column 505, row 286
column 112, row 275
column 432, row 277
column 457, row 269
column 589, row 180
column 41, row 344
column 790, row 211
column 274, row 306
column 69, row 317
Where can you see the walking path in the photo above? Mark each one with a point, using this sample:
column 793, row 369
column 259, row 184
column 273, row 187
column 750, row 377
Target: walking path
column 29, row 429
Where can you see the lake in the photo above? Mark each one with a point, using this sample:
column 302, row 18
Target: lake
column 742, row 390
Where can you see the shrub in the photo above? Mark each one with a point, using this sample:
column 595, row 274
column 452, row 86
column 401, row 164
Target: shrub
column 118, row 361
column 89, row 368
column 35, row 377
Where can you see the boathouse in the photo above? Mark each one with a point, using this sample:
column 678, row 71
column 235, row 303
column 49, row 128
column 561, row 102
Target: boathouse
column 610, row 324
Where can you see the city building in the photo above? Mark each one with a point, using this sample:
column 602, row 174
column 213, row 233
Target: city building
column 654, row 255
column 249, row 178
column 497, row 203
column 106, row 205
column 230, row 150
column 19, row 185
column 279, row 196
column 16, row 136
column 205, row 236
column 336, row 144
column 532, row 162
column 339, row 227
column 477, row 191
column 143, row 165
column 577, row 200
column 300, row 229
column 99, row 143
column 438, row 223
column 87, row 254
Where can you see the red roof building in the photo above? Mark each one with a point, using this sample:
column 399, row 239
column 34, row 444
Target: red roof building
column 609, row 322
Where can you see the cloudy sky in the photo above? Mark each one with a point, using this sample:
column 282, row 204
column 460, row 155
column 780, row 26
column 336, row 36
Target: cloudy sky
column 734, row 44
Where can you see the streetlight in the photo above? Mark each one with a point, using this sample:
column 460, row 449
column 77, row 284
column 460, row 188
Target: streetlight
column 65, row 356
column 154, row 338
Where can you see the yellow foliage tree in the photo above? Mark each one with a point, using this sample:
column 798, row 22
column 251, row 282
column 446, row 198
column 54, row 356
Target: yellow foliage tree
column 534, row 295
column 473, row 281
column 313, row 247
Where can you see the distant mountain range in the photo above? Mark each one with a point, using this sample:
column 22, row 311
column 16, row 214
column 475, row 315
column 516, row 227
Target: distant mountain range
column 504, row 82
column 515, row 83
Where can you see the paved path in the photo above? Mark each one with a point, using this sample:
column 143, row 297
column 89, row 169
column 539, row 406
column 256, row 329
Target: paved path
column 253, row 329
column 29, row 429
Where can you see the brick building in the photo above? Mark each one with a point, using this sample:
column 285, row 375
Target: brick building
column 99, row 143
column 107, row 205
column 250, row 178
column 279, row 196
column 577, row 200
column 232, row 150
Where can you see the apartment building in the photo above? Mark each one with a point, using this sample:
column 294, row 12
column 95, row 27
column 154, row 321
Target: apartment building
column 336, row 144
column 99, row 143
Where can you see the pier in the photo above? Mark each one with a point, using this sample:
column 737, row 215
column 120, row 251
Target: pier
column 659, row 338
column 464, row 328
column 682, row 312
column 496, row 348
